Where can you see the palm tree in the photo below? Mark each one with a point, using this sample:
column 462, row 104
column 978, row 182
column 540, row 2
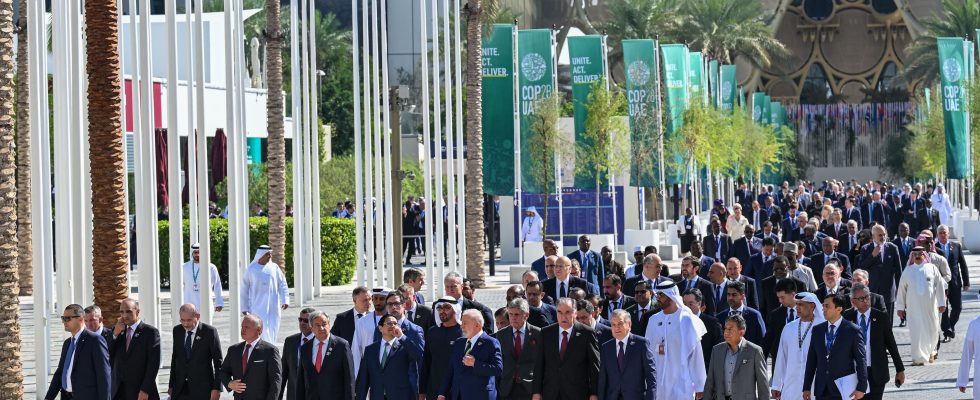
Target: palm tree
column 12, row 379
column 637, row 19
column 723, row 29
column 277, row 141
column 960, row 19
column 109, row 257
column 24, row 232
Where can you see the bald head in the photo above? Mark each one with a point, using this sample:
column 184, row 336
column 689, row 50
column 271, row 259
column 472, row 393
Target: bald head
column 563, row 267
column 651, row 265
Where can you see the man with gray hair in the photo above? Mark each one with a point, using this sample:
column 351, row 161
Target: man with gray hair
column 93, row 322
column 878, row 339
column 882, row 260
column 626, row 363
column 568, row 367
column 196, row 358
column 453, row 285
column 652, row 266
column 327, row 366
column 519, row 348
column 877, row 300
column 291, row 359
column 474, row 364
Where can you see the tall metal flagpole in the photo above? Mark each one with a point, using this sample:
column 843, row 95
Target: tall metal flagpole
column 204, row 228
column 612, row 174
column 366, row 208
column 122, row 124
column 299, row 206
column 358, row 167
column 426, row 145
column 191, row 173
column 517, row 142
column 62, row 182
column 460, row 153
column 175, row 209
column 237, row 206
column 82, row 172
column 308, row 134
column 558, row 186
column 660, row 134
column 449, row 159
column 388, row 201
column 136, row 113
column 377, row 205
column 317, row 257
column 439, row 244
column 149, row 261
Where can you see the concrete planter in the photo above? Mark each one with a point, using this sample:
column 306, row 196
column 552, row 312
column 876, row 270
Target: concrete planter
column 634, row 237
column 971, row 236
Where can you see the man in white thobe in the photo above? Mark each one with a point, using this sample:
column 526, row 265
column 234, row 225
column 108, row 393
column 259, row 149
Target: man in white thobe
column 531, row 226
column 366, row 326
column 264, row 292
column 192, row 281
column 794, row 344
column 921, row 292
column 940, row 201
column 674, row 336
column 971, row 346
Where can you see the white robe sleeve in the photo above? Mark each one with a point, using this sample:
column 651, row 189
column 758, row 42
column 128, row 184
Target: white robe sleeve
column 696, row 362
column 219, row 300
column 939, row 287
column 902, row 291
column 244, row 291
column 779, row 366
column 283, row 287
column 963, row 378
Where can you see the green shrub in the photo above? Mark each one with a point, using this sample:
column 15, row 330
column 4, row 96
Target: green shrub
column 337, row 245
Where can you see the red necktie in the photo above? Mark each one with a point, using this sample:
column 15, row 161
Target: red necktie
column 319, row 356
column 517, row 344
column 245, row 358
column 564, row 345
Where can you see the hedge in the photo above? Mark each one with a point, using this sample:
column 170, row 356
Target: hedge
column 337, row 245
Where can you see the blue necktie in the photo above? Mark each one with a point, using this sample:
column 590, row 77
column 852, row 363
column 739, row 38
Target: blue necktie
column 830, row 338
column 68, row 362
column 864, row 326
column 187, row 343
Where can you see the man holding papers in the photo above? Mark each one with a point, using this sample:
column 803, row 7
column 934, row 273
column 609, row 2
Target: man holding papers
column 836, row 360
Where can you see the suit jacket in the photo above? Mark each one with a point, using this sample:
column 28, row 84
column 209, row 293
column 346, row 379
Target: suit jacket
column 742, row 250
column 576, row 376
column 551, row 289
column 638, row 319
column 478, row 381
column 758, row 269
column 712, row 337
column 389, row 382
column 957, row 263
column 705, row 287
column 343, row 325
column 199, row 372
column 90, row 372
column 878, row 215
column 708, row 244
column 263, row 375
column 751, row 292
column 291, row 370
column 636, row 380
column 603, row 333
column 542, row 316
column 883, row 274
column 755, row 330
column 629, row 286
column 845, row 289
column 538, row 266
column 135, row 370
column 335, row 380
column 518, row 370
column 593, row 269
column 627, row 301
column 836, row 231
column 881, row 339
column 474, row 305
column 790, row 230
column 903, row 251
column 926, row 220
column 106, row 334
column 750, row 380
column 819, row 260
column 910, row 212
column 775, row 322
column 768, row 301
column 845, row 357
column 763, row 217
column 423, row 317
column 852, row 214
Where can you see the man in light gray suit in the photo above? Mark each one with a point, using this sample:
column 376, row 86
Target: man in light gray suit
column 519, row 348
column 737, row 370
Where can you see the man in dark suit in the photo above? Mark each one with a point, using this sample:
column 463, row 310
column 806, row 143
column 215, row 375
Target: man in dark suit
column 777, row 319
column 780, row 272
column 474, row 364
column 928, row 217
column 910, row 207
column 760, row 264
column 388, row 362
column 878, row 338
column 757, row 216
column 196, row 358
column 694, row 299
column 733, row 272
column 563, row 281
column 418, row 314
column 744, row 196
column 626, row 369
column 291, row 359
column 416, row 278
column 652, row 266
column 877, row 211
column 836, row 351
column 792, row 229
column 833, row 283
column 836, row 228
column 519, row 347
column 645, row 306
column 93, row 322
column 828, row 247
column 343, row 325
column 453, row 284
column 541, row 314
column 86, row 349
column 540, row 265
column 689, row 279
column 593, row 269
column 905, row 243
column 860, row 276
column 850, row 212
column 717, row 245
column 775, row 215
column 136, row 357
column 756, row 330
column 742, row 247
column 748, row 378
column 958, row 284
column 882, row 260
column 613, row 297
column 439, row 346
column 584, row 314
column 327, row 370
column 567, row 367
column 252, row 368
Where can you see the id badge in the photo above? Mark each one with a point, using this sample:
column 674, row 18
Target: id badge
column 197, row 287
column 661, row 349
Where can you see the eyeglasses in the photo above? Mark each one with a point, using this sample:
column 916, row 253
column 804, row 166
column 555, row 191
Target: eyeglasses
column 862, row 298
column 390, row 323
column 66, row 319
column 303, row 320
column 394, row 304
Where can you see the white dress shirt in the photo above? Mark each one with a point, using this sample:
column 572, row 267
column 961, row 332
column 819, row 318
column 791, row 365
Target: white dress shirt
column 560, row 330
column 316, row 343
column 71, row 364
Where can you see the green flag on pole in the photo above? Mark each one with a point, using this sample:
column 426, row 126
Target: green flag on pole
column 587, row 57
column 498, row 113
column 728, row 88
column 695, row 72
column 639, row 56
column 758, row 107
column 536, row 66
column 954, row 72
column 675, row 60
column 713, row 83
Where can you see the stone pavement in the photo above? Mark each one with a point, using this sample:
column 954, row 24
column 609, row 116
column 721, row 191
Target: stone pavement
column 935, row 381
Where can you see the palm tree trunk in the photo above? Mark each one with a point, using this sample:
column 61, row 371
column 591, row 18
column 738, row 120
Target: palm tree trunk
column 109, row 256
column 11, row 380
column 24, row 232
column 474, row 138
column 277, row 141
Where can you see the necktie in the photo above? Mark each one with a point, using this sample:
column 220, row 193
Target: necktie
column 864, row 326
column 68, row 362
column 469, row 346
column 791, row 316
column 946, row 250
column 517, row 344
column 129, row 336
column 717, row 293
column 621, row 358
column 188, row 341
column 245, row 358
column 561, row 290
column 564, row 345
column 319, row 356
column 830, row 338
column 384, row 356
column 359, row 315
column 410, row 318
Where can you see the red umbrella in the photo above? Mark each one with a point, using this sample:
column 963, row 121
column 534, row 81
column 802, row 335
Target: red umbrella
column 219, row 160
column 163, row 197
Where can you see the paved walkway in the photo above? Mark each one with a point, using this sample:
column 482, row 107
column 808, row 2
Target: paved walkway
column 933, row 381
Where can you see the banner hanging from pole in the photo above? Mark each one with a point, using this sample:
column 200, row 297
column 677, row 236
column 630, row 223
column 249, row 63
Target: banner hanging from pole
column 758, row 107
column 498, row 125
column 588, row 65
column 536, row 66
column 728, row 88
column 676, row 76
column 639, row 56
column 713, row 83
column 954, row 72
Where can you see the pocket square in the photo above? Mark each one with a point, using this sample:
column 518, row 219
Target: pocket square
column 259, row 361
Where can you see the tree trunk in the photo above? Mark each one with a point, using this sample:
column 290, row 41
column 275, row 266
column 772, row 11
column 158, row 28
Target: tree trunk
column 277, row 142
column 474, row 139
column 12, row 378
column 110, row 259
column 24, row 253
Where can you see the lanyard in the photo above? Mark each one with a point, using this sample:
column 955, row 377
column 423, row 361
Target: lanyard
column 195, row 272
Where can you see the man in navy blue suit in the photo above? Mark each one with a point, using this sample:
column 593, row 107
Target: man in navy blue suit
column 840, row 353
column 389, row 367
column 819, row 260
column 83, row 370
column 541, row 265
column 756, row 329
column 593, row 269
column 475, row 363
column 883, row 262
column 585, row 313
column 626, row 369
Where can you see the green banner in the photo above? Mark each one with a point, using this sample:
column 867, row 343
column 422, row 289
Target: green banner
column 587, row 59
column 728, row 88
column 775, row 112
column 675, row 64
column 954, row 72
column 741, row 98
column 759, row 107
column 536, row 66
column 696, row 70
column 498, row 113
column 766, row 110
column 639, row 57
column 713, row 82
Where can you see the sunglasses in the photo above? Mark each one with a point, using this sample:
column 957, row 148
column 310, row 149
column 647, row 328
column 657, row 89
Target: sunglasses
column 304, row 320
column 66, row 319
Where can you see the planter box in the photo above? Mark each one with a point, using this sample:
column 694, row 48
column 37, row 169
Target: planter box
column 668, row 252
column 516, row 271
column 971, row 236
column 640, row 238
